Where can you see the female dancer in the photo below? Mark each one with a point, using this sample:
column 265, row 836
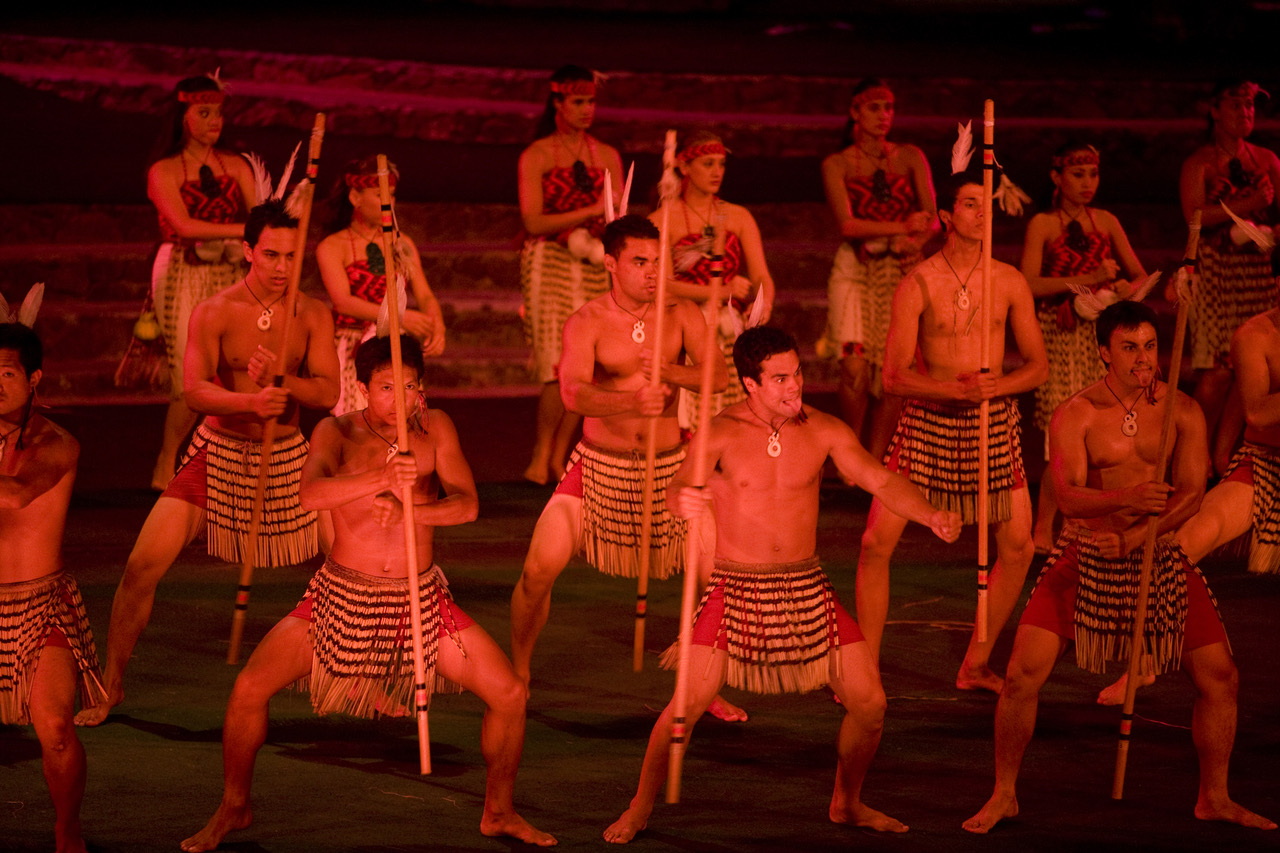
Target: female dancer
column 701, row 162
column 561, row 266
column 882, row 196
column 353, row 270
column 1072, row 244
column 1236, row 281
column 203, row 194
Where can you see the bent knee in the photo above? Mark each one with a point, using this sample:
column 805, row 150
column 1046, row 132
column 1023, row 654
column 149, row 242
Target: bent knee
column 879, row 542
column 511, row 697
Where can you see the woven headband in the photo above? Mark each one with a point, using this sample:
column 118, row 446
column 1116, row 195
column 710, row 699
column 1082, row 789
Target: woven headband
column 361, row 182
column 875, row 93
column 574, row 87
column 209, row 96
column 1087, row 156
column 688, row 155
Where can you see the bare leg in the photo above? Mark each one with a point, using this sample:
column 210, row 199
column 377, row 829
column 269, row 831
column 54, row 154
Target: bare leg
column 1213, row 729
column 1014, row 552
column 486, row 672
column 566, row 432
column 1212, row 388
column 864, row 703
column 884, row 420
column 179, row 420
column 708, row 676
column 1035, row 651
column 550, row 412
column 852, row 392
column 884, row 529
column 556, row 539
column 282, row 657
column 169, row 528
column 53, row 702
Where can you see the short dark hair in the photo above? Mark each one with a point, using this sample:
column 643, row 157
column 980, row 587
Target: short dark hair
column 949, row 187
column 270, row 214
column 1123, row 315
column 755, row 345
column 619, row 230
column 375, row 354
column 16, row 336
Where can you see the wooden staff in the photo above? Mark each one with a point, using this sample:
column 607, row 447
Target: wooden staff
column 984, row 409
column 692, row 549
column 420, row 694
column 655, row 383
column 306, row 192
column 1153, row 526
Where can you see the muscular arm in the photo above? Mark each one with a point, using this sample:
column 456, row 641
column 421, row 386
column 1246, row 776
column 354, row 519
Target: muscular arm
column 204, row 392
column 1069, row 467
column 695, row 339
column 1034, row 369
column 858, row 468
column 900, row 349
column 319, row 388
column 1253, row 376
column 38, row 472
column 322, row 487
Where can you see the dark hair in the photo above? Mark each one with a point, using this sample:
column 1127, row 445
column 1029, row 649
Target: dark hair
column 617, row 232
column 863, row 85
column 757, row 344
column 950, row 186
column 375, row 354
column 701, row 136
column 339, row 201
column 16, row 336
column 563, row 74
column 269, row 214
column 172, row 136
column 1123, row 315
column 1221, row 89
column 1065, row 150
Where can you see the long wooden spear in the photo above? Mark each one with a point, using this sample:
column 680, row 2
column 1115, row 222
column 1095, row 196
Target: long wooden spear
column 984, row 409
column 693, row 540
column 420, row 693
column 1153, row 525
column 666, row 194
column 306, row 193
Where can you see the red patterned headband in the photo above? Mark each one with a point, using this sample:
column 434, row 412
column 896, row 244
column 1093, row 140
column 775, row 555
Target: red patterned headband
column 362, row 182
column 1087, row 156
column 574, row 87
column 875, row 93
column 688, row 155
column 208, row 96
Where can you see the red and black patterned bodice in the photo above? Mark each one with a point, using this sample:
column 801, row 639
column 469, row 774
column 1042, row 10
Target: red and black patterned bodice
column 560, row 194
column 893, row 203
column 1068, row 255
column 1223, row 184
column 700, row 272
column 223, row 206
column 366, row 285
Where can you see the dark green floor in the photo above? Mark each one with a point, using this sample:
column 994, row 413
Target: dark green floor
column 346, row 785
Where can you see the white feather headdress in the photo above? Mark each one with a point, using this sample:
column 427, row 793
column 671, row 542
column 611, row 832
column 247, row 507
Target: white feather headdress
column 262, row 185
column 26, row 313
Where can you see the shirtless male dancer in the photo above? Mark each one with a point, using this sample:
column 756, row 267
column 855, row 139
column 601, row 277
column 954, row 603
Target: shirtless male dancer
column 227, row 376
column 1103, row 444
column 933, row 358
column 348, row 640
column 604, row 375
column 46, row 648
column 767, row 454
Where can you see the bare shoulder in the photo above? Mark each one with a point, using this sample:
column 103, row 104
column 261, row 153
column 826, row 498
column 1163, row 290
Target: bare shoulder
column 539, row 155
column 1263, row 155
column 586, row 318
column 827, row 427
column 1259, row 330
column 1010, row 278
column 911, row 154
column 235, row 164
column 1201, row 157
column 835, row 163
column 51, row 443
column 168, row 169
column 333, row 244
column 605, row 148
column 737, row 216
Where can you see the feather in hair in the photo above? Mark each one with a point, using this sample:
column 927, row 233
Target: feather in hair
column 288, row 173
column 31, row 305
column 1261, row 237
column 261, row 178
column 756, row 315
column 626, row 190
column 962, row 150
column 609, row 213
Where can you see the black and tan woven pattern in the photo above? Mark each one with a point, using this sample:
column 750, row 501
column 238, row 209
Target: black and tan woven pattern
column 1264, row 542
column 177, row 287
column 1234, row 284
column 936, row 447
column 859, row 299
column 554, row 284
column 288, row 532
column 612, row 493
column 363, row 647
column 29, row 610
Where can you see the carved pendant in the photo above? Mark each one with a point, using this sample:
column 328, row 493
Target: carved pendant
column 637, row 332
column 264, row 319
column 775, row 447
column 392, row 450
column 962, row 299
column 1130, row 425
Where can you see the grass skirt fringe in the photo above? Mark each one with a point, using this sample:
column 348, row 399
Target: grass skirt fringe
column 554, row 284
column 360, row 630
column 1264, row 465
column 859, row 298
column 28, row 611
column 1234, row 284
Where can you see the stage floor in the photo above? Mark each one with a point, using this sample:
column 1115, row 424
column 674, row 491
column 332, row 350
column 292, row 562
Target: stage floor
column 352, row 785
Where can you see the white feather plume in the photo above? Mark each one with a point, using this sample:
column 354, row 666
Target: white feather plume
column 1182, row 285
column 384, row 310
column 626, row 190
column 609, row 213
column 1089, row 303
column 261, row 178
column 669, row 185
column 1140, row 292
column 756, row 316
column 288, row 173
column 1010, row 196
column 1263, row 238
column 31, row 305
column 962, row 150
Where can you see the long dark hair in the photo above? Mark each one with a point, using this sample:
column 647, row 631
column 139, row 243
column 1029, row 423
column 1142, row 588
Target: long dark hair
column 863, row 85
column 563, row 74
column 173, row 135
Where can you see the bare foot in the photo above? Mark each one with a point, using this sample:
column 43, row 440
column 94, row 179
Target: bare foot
column 225, row 819
column 69, row 840
column 95, row 714
column 1232, row 812
column 978, row 678
column 722, row 709
column 516, row 827
column 999, row 807
column 1113, row 694
column 859, row 814
column 537, row 473
column 625, row 828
